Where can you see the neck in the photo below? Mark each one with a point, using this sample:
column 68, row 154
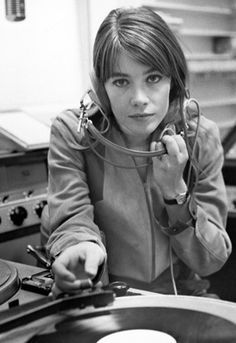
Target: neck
column 138, row 143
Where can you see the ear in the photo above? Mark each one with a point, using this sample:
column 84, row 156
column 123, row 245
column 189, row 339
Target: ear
column 173, row 113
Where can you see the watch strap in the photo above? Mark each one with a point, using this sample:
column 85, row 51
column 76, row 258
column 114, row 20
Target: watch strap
column 180, row 199
column 170, row 201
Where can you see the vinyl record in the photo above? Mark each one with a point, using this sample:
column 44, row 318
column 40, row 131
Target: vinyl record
column 186, row 326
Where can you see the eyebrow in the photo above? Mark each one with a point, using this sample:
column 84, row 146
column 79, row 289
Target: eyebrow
column 120, row 74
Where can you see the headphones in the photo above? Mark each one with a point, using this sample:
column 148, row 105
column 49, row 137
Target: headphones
column 90, row 104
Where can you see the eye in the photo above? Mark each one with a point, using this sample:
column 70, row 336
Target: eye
column 154, row 78
column 120, row 82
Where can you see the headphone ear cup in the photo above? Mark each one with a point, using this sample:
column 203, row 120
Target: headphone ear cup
column 93, row 96
column 99, row 95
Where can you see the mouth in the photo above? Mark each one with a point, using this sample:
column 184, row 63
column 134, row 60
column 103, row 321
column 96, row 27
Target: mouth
column 141, row 115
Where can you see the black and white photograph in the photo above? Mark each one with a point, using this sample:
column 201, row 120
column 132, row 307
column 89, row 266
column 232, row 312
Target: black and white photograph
column 118, row 171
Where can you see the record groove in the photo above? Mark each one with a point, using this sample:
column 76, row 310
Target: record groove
column 186, row 326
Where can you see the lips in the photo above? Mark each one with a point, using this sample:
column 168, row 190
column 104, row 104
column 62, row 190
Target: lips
column 141, row 115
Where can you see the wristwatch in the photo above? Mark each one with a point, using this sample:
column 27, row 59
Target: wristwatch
column 180, row 199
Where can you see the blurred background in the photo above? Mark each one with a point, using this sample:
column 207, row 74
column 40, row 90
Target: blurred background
column 46, row 58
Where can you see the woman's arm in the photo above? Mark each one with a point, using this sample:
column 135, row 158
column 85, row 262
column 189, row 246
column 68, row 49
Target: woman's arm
column 202, row 241
column 70, row 209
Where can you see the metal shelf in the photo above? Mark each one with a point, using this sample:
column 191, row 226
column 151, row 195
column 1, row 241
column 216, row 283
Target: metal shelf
column 201, row 67
column 189, row 8
column 219, row 102
column 209, row 56
column 207, row 33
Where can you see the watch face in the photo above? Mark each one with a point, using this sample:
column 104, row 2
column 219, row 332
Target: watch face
column 181, row 198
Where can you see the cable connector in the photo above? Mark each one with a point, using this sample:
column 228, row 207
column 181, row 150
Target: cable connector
column 81, row 116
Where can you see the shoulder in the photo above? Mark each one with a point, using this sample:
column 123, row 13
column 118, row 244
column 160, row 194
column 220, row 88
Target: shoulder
column 206, row 129
column 209, row 149
column 67, row 119
column 64, row 130
column 65, row 127
column 208, row 133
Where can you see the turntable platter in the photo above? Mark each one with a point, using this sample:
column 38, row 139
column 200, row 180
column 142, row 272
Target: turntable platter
column 183, row 324
column 9, row 281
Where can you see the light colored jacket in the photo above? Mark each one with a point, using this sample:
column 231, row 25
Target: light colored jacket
column 89, row 197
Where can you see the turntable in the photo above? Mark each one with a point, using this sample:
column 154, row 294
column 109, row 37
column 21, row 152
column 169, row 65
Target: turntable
column 11, row 274
column 9, row 281
column 183, row 318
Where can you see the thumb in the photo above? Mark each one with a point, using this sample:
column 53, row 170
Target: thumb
column 93, row 261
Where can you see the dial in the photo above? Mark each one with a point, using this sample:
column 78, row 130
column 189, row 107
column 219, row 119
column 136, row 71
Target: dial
column 39, row 207
column 18, row 215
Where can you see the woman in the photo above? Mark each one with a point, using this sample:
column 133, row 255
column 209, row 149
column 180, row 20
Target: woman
column 156, row 220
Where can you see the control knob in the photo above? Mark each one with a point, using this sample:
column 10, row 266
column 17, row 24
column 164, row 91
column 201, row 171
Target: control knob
column 18, row 215
column 39, row 207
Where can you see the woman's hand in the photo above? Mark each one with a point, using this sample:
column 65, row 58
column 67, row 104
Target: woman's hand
column 169, row 167
column 76, row 263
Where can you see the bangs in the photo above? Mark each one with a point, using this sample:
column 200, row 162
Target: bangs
column 108, row 61
column 140, row 51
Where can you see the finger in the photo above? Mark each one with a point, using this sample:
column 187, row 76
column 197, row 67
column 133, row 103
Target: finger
column 181, row 143
column 163, row 158
column 55, row 291
column 171, row 145
column 157, row 146
column 71, row 287
column 60, row 269
column 153, row 146
column 92, row 262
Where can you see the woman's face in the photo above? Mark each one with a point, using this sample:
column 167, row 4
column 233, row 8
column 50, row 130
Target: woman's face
column 139, row 97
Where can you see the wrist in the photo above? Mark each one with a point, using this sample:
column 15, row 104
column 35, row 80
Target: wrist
column 179, row 199
column 179, row 191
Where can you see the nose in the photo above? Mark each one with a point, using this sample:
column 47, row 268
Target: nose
column 138, row 97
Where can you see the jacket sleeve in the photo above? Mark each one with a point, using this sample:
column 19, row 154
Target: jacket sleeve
column 70, row 209
column 205, row 245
